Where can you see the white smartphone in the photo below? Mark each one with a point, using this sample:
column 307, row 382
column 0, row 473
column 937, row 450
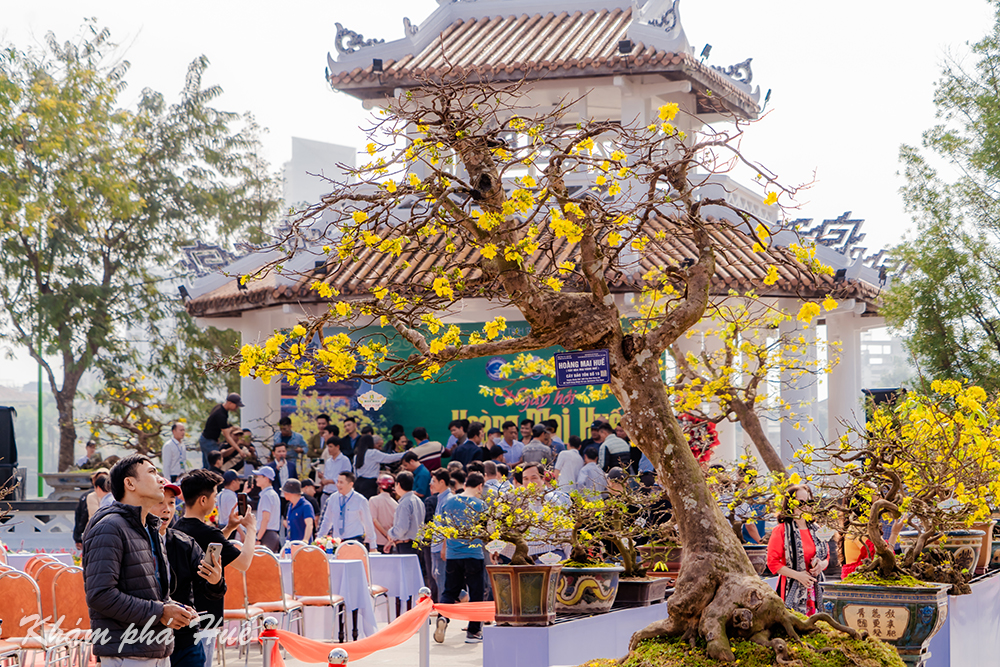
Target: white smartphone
column 214, row 552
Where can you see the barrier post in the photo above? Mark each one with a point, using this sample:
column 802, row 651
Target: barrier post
column 270, row 623
column 425, row 632
column 338, row 656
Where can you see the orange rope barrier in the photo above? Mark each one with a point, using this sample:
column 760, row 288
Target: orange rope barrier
column 405, row 626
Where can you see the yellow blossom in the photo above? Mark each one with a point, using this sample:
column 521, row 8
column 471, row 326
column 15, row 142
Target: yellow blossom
column 554, row 283
column 771, row 198
column 359, row 217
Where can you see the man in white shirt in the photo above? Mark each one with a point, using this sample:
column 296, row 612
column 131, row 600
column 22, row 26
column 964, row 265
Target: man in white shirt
column 332, row 467
column 347, row 514
column 268, row 510
column 512, row 447
column 174, row 455
column 568, row 465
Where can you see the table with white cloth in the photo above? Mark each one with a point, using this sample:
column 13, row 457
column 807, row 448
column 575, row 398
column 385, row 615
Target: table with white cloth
column 20, row 561
column 400, row 573
column 348, row 580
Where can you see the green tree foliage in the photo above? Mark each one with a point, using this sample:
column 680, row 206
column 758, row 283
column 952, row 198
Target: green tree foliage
column 948, row 299
column 94, row 201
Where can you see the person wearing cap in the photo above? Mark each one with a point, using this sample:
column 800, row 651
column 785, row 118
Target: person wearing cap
column 539, row 450
column 614, row 451
column 268, row 510
column 301, row 518
column 227, row 499
column 174, row 454
column 91, row 458
column 193, row 575
column 595, row 435
column 383, row 507
column 217, row 426
column 558, row 446
column 347, row 514
column 309, row 493
column 89, row 502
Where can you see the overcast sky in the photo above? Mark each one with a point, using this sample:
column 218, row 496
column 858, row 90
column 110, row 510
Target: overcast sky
column 850, row 80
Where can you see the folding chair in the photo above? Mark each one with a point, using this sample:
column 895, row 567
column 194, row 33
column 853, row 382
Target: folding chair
column 311, row 583
column 266, row 590
column 20, row 599
column 69, row 598
column 236, row 608
column 352, row 550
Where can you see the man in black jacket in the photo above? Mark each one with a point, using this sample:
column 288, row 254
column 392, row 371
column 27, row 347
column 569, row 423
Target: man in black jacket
column 193, row 575
column 126, row 577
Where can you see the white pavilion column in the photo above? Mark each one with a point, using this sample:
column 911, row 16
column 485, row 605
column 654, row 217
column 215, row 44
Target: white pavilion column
column 798, row 390
column 262, row 402
column 844, row 403
column 726, row 451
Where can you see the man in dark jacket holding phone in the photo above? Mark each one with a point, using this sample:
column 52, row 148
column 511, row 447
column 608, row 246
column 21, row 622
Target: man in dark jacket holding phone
column 127, row 577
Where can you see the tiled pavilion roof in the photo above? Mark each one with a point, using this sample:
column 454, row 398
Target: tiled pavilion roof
column 560, row 44
column 738, row 267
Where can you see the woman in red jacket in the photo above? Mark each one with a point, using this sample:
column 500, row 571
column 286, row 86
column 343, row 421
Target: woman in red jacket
column 796, row 555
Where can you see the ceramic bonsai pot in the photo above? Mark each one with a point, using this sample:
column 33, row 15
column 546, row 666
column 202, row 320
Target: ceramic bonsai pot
column 640, row 592
column 524, row 594
column 964, row 545
column 757, row 553
column 985, row 551
column 587, row 590
column 905, row 617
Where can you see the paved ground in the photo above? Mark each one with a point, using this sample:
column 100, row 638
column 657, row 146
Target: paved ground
column 454, row 652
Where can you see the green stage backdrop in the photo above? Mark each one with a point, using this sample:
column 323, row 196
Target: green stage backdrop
column 456, row 396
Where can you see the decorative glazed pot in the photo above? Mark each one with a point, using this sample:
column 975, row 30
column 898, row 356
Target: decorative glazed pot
column 905, row 617
column 757, row 553
column 524, row 594
column 985, row 551
column 964, row 545
column 587, row 590
column 640, row 592
column 995, row 555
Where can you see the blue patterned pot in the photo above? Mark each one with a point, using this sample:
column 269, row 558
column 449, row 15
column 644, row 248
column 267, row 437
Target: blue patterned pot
column 905, row 617
column 587, row 590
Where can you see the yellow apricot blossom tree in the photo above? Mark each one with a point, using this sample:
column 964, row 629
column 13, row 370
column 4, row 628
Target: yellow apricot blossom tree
column 472, row 195
column 728, row 380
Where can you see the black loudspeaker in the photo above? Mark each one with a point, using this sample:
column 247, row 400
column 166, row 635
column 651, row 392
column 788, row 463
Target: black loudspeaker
column 8, row 446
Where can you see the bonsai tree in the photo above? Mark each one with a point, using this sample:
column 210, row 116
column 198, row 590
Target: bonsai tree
column 518, row 517
column 471, row 194
column 615, row 527
column 928, row 461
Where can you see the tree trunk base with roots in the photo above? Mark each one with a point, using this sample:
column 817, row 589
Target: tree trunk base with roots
column 717, row 602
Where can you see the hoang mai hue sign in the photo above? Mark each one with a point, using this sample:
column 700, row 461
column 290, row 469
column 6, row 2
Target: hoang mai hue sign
column 457, row 395
column 578, row 369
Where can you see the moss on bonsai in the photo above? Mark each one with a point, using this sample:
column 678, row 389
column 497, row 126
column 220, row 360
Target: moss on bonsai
column 827, row 648
column 874, row 579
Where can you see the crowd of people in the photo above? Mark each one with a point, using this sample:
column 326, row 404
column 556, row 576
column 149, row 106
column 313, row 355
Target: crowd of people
column 352, row 486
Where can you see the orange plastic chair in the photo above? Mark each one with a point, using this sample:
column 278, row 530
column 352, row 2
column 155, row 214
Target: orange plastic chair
column 266, row 590
column 20, row 600
column 70, row 609
column 236, row 608
column 353, row 550
column 36, row 562
column 3, row 553
column 44, row 576
column 311, row 582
